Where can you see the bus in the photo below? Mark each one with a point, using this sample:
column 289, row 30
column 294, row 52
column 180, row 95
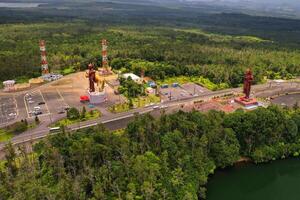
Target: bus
column 54, row 130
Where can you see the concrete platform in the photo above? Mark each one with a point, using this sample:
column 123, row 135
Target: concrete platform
column 246, row 102
column 97, row 97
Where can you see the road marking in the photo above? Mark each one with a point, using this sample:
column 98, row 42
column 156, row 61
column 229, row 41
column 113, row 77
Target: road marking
column 117, row 119
column 16, row 106
column 44, row 101
column 86, row 126
column 25, row 102
column 62, row 98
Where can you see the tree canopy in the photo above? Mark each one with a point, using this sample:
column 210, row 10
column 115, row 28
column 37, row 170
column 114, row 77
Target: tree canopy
column 169, row 157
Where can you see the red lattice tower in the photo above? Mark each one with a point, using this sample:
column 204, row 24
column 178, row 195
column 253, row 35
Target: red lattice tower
column 104, row 54
column 44, row 63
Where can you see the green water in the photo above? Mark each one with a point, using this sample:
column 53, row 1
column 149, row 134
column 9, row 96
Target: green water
column 279, row 180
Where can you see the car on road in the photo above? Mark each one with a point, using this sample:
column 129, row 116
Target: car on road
column 156, row 107
column 164, row 106
column 41, row 103
column 31, row 102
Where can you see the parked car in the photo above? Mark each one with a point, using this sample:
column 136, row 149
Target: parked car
column 175, row 85
column 164, row 86
column 36, row 108
column 38, row 113
column 41, row 103
column 91, row 106
column 12, row 114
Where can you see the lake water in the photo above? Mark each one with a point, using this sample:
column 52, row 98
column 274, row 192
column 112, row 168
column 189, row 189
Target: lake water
column 279, row 180
column 19, row 5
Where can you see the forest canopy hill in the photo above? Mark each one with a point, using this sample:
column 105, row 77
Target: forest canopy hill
column 161, row 51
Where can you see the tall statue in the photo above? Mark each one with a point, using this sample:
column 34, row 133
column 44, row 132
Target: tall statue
column 94, row 78
column 248, row 78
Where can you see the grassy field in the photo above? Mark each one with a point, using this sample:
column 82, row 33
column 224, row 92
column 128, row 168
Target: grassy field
column 137, row 103
column 89, row 115
column 5, row 135
column 198, row 80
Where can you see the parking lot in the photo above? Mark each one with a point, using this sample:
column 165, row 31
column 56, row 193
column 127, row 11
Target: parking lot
column 194, row 89
column 8, row 109
column 173, row 93
column 177, row 92
column 35, row 104
column 54, row 100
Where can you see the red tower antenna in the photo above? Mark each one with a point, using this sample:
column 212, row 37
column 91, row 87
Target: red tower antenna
column 44, row 63
column 104, row 54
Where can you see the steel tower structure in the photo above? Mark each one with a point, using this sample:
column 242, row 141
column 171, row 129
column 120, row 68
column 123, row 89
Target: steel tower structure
column 44, row 62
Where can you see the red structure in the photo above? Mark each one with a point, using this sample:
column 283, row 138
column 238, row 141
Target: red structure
column 91, row 75
column 246, row 100
column 84, row 99
column 44, row 63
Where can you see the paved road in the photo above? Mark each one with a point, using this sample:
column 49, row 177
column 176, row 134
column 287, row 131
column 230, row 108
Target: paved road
column 116, row 121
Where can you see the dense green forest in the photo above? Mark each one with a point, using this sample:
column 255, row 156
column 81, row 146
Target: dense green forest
column 166, row 158
column 161, row 52
column 164, row 41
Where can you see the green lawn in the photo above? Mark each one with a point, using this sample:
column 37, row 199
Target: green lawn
column 137, row 103
column 198, row 80
column 22, row 79
column 5, row 135
column 121, row 107
column 14, row 129
column 68, row 70
column 143, row 101
column 66, row 122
